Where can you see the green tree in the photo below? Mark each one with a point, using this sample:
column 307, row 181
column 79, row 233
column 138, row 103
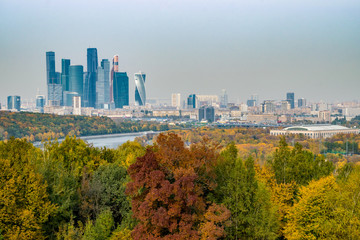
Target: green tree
column 101, row 229
column 298, row 165
column 252, row 215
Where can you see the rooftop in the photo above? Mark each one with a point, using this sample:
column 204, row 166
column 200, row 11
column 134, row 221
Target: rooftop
column 316, row 127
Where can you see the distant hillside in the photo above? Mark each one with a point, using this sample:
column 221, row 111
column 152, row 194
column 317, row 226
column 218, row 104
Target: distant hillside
column 39, row 126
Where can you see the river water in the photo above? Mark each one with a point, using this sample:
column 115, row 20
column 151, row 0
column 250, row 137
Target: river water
column 109, row 140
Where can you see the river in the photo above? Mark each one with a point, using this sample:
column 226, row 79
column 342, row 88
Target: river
column 108, row 140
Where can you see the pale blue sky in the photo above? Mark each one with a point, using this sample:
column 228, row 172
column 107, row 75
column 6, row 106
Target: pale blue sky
column 266, row 47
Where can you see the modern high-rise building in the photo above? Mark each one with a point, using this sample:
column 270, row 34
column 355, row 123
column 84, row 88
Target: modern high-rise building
column 40, row 103
column 140, row 93
column 89, row 95
column 176, row 100
column 13, row 103
column 191, row 101
column 115, row 68
column 102, row 84
column 301, row 102
column 50, row 67
column 53, row 81
column 224, row 99
column 121, row 89
column 290, row 97
column 76, row 79
column 65, row 65
column 207, row 113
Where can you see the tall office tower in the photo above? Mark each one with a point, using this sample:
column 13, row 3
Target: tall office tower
column 207, row 113
column 290, row 97
column 13, row 103
column 176, row 100
column 40, row 103
column 140, row 94
column 121, row 89
column 65, row 64
column 115, row 68
column 102, row 84
column 50, row 67
column 89, row 95
column 191, row 101
column 53, row 81
column 224, row 99
column 301, row 102
column 76, row 79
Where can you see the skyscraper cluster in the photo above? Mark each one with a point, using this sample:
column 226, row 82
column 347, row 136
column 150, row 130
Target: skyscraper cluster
column 98, row 86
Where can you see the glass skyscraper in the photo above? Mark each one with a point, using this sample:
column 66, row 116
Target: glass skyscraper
column 65, row 64
column 76, row 76
column 40, row 103
column 140, row 93
column 121, row 89
column 53, row 81
column 103, row 84
column 50, row 67
column 191, row 101
column 13, row 103
column 90, row 78
column 290, row 97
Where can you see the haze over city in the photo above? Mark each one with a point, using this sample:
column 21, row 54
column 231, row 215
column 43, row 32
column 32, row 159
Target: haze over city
column 263, row 47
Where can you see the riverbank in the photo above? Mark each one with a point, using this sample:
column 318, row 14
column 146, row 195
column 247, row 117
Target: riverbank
column 107, row 140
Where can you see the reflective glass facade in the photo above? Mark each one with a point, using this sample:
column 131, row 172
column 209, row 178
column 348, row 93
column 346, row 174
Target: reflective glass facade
column 140, row 93
column 13, row 103
column 121, row 89
column 102, row 84
column 290, row 97
column 76, row 75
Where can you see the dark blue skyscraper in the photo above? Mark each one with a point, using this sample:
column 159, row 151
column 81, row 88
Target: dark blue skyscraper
column 191, row 101
column 13, row 103
column 290, row 97
column 121, row 89
column 90, row 78
column 65, row 64
column 50, row 67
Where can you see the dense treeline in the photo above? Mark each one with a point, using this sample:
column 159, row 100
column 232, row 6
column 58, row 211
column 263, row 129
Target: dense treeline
column 72, row 190
column 38, row 127
column 258, row 142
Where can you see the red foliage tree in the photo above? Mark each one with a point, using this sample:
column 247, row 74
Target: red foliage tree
column 168, row 189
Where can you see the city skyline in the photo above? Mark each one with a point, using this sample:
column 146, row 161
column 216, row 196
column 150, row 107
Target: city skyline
column 269, row 48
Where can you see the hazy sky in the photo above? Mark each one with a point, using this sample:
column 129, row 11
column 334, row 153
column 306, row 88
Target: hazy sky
column 268, row 47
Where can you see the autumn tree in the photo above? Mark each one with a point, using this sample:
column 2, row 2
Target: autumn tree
column 168, row 189
column 325, row 211
column 24, row 203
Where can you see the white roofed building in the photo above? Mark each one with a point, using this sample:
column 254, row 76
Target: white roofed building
column 315, row 131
